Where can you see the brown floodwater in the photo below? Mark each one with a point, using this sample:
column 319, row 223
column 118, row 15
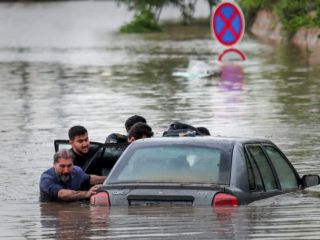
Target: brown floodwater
column 64, row 63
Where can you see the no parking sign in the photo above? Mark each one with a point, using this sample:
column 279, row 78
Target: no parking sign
column 227, row 23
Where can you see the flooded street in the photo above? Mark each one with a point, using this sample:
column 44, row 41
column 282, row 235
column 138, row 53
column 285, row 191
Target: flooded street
column 64, row 64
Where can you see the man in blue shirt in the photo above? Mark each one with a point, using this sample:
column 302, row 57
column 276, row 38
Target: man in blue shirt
column 66, row 182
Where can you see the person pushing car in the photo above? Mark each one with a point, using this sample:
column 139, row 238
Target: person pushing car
column 66, row 182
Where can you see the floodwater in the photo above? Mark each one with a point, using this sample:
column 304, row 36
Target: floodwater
column 64, row 63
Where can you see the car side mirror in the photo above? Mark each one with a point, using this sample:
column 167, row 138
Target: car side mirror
column 309, row 180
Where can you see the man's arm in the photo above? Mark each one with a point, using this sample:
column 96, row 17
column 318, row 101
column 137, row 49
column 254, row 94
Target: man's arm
column 95, row 179
column 72, row 195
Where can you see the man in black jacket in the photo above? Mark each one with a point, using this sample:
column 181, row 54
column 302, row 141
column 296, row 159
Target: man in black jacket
column 85, row 156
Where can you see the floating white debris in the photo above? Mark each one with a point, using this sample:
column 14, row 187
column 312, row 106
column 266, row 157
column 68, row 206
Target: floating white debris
column 198, row 69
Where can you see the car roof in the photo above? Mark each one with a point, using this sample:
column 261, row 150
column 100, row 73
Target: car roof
column 200, row 140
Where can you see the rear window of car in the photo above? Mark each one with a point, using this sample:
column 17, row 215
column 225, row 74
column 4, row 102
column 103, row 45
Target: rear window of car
column 192, row 164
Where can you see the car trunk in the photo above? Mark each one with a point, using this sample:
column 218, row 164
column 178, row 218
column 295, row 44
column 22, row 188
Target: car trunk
column 160, row 195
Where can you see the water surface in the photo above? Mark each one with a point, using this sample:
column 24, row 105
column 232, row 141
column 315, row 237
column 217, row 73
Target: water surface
column 58, row 71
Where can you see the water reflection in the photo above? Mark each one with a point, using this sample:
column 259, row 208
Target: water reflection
column 231, row 223
column 60, row 220
column 167, row 223
column 73, row 221
column 231, row 77
column 285, row 217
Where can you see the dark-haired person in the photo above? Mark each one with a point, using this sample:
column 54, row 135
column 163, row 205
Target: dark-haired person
column 138, row 131
column 66, row 182
column 83, row 152
column 204, row 131
column 120, row 138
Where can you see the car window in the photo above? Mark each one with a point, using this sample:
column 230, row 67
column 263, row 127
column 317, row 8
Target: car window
column 261, row 160
column 175, row 164
column 285, row 173
column 255, row 182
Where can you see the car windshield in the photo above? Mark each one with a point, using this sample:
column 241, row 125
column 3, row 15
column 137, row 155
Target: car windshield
column 190, row 164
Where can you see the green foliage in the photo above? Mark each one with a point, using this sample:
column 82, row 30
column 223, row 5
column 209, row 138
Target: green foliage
column 143, row 22
column 147, row 13
column 251, row 7
column 293, row 14
column 256, row 4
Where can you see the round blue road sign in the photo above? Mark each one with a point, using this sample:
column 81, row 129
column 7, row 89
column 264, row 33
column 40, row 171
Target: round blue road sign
column 227, row 23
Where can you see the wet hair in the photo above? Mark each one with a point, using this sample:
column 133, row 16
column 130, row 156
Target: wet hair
column 64, row 153
column 139, row 130
column 133, row 120
column 204, row 131
column 76, row 131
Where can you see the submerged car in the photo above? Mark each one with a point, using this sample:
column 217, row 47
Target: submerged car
column 199, row 171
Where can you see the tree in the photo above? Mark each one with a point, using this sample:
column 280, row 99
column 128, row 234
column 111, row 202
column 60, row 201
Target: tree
column 212, row 3
column 147, row 13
